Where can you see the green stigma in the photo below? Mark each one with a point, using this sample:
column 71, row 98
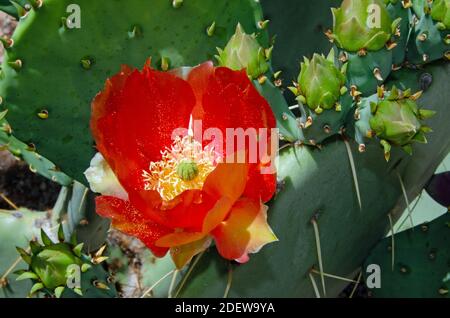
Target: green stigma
column 187, row 170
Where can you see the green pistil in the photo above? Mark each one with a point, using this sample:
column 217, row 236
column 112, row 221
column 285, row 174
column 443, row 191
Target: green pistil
column 187, row 170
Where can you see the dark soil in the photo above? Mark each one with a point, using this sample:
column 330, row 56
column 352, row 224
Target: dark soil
column 27, row 189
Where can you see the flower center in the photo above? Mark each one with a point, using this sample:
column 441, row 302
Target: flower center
column 185, row 166
column 188, row 170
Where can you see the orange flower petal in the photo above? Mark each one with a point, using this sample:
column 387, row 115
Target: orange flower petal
column 129, row 220
column 226, row 183
column 227, row 180
column 217, row 214
column 179, row 238
column 245, row 231
column 181, row 255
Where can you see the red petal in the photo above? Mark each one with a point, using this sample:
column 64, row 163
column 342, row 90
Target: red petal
column 130, row 221
column 260, row 186
column 229, row 100
column 191, row 211
column 187, row 211
column 245, row 231
column 178, row 239
column 134, row 118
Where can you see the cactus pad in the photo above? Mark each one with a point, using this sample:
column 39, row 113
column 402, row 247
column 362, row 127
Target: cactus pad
column 420, row 263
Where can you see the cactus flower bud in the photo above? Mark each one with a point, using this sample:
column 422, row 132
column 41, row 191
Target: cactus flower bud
column 244, row 51
column 58, row 267
column 51, row 264
column 361, row 24
column 321, row 82
column 396, row 121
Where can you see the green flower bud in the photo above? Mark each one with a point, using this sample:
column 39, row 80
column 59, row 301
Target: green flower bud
column 362, row 24
column 396, row 119
column 244, row 51
column 440, row 11
column 321, row 82
column 55, row 267
column 51, row 264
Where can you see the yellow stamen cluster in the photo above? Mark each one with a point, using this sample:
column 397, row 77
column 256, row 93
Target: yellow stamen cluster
column 164, row 176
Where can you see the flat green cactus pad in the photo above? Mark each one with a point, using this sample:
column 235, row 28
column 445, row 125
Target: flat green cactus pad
column 48, row 93
column 420, row 264
column 36, row 162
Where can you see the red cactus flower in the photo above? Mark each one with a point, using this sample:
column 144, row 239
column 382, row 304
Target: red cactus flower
column 183, row 193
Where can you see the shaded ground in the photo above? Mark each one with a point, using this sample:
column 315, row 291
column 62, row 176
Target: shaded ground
column 23, row 187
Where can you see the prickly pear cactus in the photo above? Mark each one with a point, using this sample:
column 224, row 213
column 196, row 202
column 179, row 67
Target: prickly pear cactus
column 352, row 106
column 341, row 223
column 297, row 32
column 431, row 37
column 401, row 11
column 317, row 95
column 244, row 51
column 351, row 30
column 14, row 8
